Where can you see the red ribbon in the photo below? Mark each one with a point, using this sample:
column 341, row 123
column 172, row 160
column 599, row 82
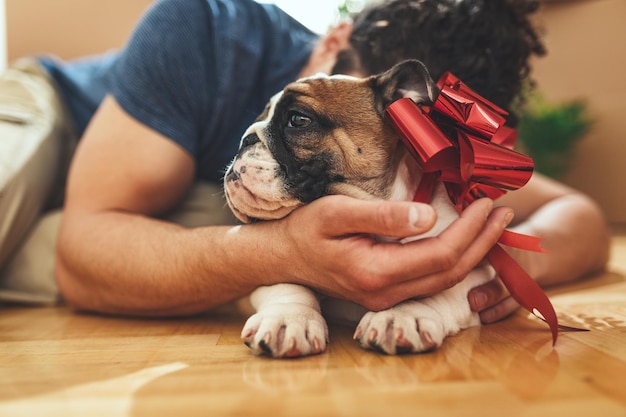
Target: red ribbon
column 461, row 141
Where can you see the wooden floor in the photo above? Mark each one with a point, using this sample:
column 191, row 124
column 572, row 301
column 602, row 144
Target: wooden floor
column 54, row 362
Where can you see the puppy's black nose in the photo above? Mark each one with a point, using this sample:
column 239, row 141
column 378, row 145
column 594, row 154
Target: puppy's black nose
column 248, row 140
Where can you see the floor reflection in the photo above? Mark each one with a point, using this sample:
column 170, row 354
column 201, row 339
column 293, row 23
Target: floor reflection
column 524, row 361
column 289, row 375
column 476, row 354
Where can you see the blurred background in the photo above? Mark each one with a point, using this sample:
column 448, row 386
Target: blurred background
column 574, row 128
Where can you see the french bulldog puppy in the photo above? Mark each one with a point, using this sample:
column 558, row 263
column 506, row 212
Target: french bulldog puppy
column 327, row 135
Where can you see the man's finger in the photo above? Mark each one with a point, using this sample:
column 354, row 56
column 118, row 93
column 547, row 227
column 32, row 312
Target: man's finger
column 499, row 311
column 487, row 295
column 344, row 216
column 475, row 231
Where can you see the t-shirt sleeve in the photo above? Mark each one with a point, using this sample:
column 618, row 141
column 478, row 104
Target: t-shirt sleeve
column 163, row 77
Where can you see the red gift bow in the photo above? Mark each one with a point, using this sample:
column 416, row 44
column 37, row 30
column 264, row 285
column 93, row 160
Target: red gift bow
column 462, row 141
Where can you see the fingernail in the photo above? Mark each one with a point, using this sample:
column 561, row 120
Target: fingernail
column 420, row 216
column 508, row 218
column 479, row 299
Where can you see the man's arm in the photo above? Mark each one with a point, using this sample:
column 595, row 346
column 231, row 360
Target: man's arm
column 116, row 256
column 576, row 237
column 122, row 175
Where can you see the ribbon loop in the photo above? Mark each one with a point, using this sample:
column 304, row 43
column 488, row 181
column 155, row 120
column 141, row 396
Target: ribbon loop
column 436, row 154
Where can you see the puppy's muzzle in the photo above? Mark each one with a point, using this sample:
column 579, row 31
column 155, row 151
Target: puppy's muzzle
column 253, row 184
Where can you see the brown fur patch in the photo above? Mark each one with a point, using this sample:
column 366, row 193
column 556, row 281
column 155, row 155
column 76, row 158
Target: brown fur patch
column 364, row 146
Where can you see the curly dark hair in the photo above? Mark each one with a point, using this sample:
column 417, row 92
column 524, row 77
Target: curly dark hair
column 486, row 43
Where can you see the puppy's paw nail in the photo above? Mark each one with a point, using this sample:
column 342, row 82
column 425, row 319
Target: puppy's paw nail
column 264, row 344
column 357, row 333
column 316, row 348
column 372, row 336
column 399, row 334
column 427, row 341
column 246, row 334
column 265, row 348
column 402, row 343
column 293, row 350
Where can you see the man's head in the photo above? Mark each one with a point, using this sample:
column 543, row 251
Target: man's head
column 486, row 43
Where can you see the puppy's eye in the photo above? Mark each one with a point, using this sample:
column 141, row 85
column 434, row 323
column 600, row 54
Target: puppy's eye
column 298, row 120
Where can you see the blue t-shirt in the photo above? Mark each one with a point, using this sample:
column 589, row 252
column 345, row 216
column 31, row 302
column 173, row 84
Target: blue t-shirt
column 197, row 71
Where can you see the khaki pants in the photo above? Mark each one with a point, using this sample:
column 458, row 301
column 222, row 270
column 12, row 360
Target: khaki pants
column 36, row 145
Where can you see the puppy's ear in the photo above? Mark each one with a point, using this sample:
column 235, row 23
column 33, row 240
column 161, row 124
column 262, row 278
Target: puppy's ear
column 410, row 79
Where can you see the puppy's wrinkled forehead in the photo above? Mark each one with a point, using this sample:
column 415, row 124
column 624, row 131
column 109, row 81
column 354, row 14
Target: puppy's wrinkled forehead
column 321, row 91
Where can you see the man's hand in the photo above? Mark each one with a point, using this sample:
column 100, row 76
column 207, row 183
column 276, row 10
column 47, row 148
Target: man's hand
column 330, row 247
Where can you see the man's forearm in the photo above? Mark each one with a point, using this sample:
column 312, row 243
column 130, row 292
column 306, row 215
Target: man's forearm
column 576, row 238
column 128, row 264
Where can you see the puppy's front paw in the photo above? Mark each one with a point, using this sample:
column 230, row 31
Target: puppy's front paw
column 286, row 331
column 410, row 327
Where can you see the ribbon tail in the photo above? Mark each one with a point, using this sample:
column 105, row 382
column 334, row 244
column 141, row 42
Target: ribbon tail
column 523, row 288
column 426, row 187
column 521, row 241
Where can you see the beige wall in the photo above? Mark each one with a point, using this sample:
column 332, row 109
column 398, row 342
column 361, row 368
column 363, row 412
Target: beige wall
column 69, row 28
column 587, row 58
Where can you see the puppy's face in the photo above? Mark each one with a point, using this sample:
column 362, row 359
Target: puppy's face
column 324, row 135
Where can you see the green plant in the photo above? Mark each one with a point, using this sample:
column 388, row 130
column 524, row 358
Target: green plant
column 549, row 132
column 347, row 8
